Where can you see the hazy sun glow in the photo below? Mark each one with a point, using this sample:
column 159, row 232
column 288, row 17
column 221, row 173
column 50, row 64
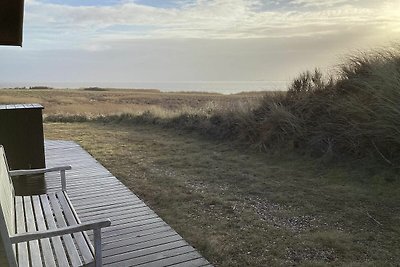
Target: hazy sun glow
column 392, row 13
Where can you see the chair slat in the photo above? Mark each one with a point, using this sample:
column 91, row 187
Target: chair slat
column 34, row 249
column 22, row 248
column 71, row 220
column 47, row 250
column 69, row 242
column 51, row 223
column 6, row 194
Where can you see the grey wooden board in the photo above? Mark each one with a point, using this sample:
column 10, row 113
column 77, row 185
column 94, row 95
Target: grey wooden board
column 34, row 250
column 71, row 249
column 57, row 243
column 41, row 224
column 23, row 257
column 137, row 236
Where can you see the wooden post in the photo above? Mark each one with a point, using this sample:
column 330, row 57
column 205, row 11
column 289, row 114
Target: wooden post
column 63, row 181
column 97, row 247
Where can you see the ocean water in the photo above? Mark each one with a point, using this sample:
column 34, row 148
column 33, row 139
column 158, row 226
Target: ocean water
column 224, row 87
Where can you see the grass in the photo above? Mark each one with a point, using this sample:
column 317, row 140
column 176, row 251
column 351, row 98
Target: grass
column 92, row 103
column 353, row 114
column 245, row 208
column 325, row 193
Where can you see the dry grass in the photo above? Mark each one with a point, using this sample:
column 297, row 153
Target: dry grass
column 354, row 114
column 110, row 102
column 243, row 208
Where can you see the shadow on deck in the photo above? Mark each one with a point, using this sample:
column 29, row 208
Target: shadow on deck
column 137, row 236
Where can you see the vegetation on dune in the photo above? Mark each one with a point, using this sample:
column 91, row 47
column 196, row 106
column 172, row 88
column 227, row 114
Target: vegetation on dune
column 353, row 113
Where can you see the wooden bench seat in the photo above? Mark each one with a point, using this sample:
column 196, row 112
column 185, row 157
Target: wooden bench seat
column 44, row 230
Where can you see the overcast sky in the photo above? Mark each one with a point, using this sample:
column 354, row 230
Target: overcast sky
column 192, row 40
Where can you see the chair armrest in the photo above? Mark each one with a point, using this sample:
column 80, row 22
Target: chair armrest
column 61, row 169
column 93, row 225
column 38, row 171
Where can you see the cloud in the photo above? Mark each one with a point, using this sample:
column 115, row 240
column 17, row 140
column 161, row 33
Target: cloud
column 128, row 40
column 321, row 3
column 48, row 23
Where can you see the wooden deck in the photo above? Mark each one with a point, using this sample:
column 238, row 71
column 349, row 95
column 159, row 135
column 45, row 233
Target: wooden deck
column 137, row 236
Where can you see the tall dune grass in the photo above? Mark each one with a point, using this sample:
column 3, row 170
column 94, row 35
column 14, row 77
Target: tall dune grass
column 355, row 112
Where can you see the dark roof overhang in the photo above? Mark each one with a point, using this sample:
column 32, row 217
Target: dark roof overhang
column 11, row 21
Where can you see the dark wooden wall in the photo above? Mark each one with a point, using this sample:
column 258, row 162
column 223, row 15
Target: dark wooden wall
column 21, row 134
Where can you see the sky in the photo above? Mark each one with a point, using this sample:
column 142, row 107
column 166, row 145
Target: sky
column 192, row 40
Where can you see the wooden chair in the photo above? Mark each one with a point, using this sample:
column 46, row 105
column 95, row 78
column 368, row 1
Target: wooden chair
column 44, row 230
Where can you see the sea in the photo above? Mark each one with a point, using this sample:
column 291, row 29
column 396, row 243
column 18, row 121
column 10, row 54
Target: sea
column 223, row 87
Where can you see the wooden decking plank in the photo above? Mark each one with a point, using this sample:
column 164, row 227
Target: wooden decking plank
column 117, row 230
column 142, row 245
column 76, row 188
column 196, row 262
column 104, row 201
column 136, row 238
column 133, row 235
column 132, row 231
column 152, row 257
column 44, row 242
column 97, row 206
column 76, row 183
column 200, row 262
column 126, row 214
column 51, row 224
column 132, row 208
column 84, row 217
column 94, row 197
column 101, row 214
column 140, row 239
column 34, row 249
column 145, row 252
column 184, row 259
column 135, row 221
column 148, row 220
column 22, row 248
column 94, row 187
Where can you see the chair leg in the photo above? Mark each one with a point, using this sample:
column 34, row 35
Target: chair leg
column 97, row 247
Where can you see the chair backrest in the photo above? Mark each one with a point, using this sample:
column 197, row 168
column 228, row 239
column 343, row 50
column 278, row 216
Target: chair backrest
column 7, row 211
column 6, row 194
